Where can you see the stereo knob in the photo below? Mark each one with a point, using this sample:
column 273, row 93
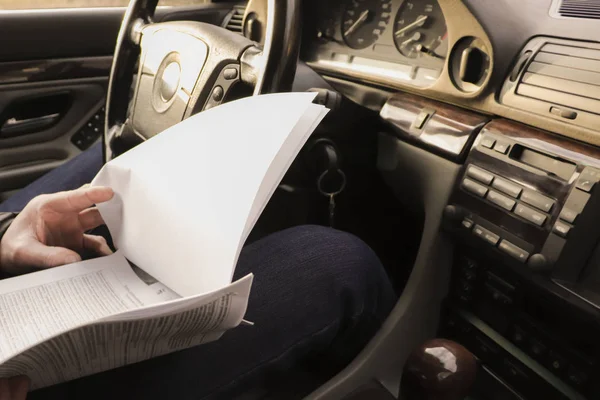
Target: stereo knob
column 453, row 215
column 539, row 263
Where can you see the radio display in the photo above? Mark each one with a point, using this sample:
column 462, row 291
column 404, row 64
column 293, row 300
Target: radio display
column 552, row 165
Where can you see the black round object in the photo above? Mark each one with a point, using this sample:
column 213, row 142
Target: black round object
column 453, row 214
column 420, row 29
column 364, row 21
column 538, row 263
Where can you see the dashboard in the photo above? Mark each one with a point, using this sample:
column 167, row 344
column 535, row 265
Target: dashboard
column 457, row 52
column 499, row 88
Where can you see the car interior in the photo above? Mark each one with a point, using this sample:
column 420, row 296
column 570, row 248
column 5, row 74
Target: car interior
column 462, row 145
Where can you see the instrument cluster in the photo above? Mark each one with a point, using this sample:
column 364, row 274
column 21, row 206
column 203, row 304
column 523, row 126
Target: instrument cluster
column 398, row 40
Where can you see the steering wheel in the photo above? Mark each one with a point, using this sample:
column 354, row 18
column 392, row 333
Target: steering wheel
column 185, row 67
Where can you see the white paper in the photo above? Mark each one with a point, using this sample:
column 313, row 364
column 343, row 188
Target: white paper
column 183, row 198
column 35, row 307
column 131, row 336
column 185, row 202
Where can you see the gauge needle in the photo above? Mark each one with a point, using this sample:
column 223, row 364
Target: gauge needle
column 361, row 19
column 418, row 21
column 424, row 50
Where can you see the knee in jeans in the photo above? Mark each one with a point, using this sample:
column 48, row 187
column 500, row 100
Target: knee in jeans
column 336, row 256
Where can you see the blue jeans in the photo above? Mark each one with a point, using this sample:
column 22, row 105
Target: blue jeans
column 318, row 296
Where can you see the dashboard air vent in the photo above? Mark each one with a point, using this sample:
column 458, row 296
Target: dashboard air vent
column 579, row 9
column 234, row 21
column 564, row 75
column 558, row 79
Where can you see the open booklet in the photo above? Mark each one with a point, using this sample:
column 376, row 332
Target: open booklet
column 185, row 202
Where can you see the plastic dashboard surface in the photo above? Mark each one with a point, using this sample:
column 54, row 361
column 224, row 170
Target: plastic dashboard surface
column 503, row 27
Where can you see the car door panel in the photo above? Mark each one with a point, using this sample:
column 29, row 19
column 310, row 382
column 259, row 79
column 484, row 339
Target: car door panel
column 30, row 153
column 54, row 70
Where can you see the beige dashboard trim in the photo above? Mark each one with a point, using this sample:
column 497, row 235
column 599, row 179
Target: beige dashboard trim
column 462, row 23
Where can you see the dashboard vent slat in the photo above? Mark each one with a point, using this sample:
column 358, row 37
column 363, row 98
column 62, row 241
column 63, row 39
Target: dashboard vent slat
column 234, row 21
column 592, row 54
column 568, row 61
column 565, row 75
column 562, row 85
column 561, row 98
column 579, row 9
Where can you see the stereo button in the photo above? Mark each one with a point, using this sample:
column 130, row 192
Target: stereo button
column 556, row 361
column 502, row 147
column 488, row 142
column 562, row 229
column 568, row 215
column 537, row 349
column 480, row 175
column 474, row 187
column 537, row 200
column 577, row 377
column 530, row 215
column 500, row 200
column 513, row 251
column 486, row 235
column 588, row 178
column 518, row 336
column 585, row 184
column 507, row 187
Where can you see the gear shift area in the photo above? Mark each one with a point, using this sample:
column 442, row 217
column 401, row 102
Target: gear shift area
column 439, row 369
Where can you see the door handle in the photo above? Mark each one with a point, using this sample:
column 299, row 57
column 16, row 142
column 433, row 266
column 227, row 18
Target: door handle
column 15, row 127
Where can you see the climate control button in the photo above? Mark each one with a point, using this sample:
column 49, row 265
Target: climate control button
column 501, row 201
column 530, row 215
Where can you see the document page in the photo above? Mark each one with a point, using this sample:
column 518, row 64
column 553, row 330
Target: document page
column 282, row 162
column 184, row 198
column 36, row 307
column 129, row 336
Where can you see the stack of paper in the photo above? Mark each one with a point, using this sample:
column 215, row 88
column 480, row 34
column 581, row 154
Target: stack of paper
column 185, row 202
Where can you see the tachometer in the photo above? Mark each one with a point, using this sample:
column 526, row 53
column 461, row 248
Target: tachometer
column 420, row 29
column 364, row 21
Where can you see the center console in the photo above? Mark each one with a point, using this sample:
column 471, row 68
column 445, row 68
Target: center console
column 525, row 293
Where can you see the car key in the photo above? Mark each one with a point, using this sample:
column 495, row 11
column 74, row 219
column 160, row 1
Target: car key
column 332, row 209
column 331, row 192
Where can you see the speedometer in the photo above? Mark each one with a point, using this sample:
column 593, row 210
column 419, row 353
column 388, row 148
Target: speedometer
column 420, row 29
column 364, row 21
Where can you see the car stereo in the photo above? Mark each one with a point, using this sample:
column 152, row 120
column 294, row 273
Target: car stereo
column 530, row 197
column 525, row 213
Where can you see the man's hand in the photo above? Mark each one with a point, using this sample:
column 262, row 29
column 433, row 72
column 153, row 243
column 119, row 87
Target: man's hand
column 14, row 388
column 50, row 231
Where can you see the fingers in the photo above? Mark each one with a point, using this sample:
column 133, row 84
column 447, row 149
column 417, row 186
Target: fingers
column 19, row 386
column 79, row 199
column 97, row 244
column 38, row 255
column 30, row 255
column 90, row 219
